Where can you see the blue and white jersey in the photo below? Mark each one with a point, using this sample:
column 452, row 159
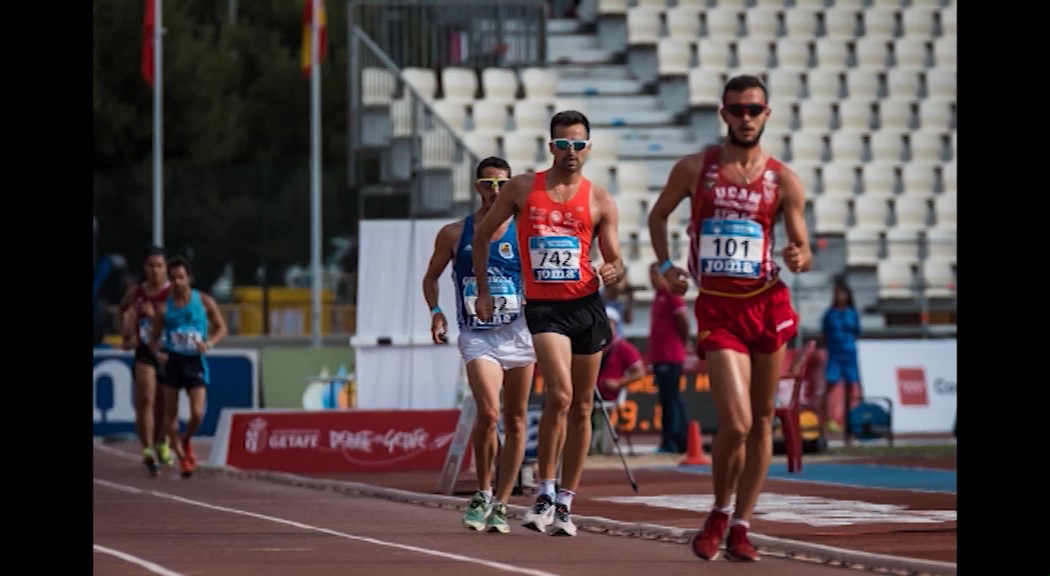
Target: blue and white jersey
column 185, row 327
column 504, row 279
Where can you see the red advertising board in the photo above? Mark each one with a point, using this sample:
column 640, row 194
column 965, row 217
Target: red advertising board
column 343, row 441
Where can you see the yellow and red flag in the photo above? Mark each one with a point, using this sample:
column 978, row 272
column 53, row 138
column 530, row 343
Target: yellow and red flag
column 322, row 31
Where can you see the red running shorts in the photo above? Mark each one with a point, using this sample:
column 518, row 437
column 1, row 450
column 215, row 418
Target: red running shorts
column 761, row 323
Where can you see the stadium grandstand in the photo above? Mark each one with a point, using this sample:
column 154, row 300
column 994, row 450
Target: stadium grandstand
column 862, row 92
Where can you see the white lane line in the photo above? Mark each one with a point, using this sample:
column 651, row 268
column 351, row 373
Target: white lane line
column 446, row 555
column 152, row 567
column 115, row 486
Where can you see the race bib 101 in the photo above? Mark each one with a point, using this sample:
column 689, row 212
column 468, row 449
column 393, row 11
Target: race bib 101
column 506, row 302
column 555, row 258
column 731, row 248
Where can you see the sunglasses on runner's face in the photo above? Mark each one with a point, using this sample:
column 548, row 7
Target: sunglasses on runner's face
column 492, row 183
column 752, row 110
column 565, row 144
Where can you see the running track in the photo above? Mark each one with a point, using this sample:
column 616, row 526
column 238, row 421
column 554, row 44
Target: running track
column 214, row 524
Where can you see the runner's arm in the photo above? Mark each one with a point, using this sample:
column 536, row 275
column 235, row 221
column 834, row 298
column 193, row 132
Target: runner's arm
column 438, row 261
column 128, row 299
column 793, row 203
column 608, row 232
column 504, row 207
column 677, row 188
column 215, row 320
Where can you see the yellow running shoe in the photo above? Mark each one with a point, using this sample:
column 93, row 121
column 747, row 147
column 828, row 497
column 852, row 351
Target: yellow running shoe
column 165, row 455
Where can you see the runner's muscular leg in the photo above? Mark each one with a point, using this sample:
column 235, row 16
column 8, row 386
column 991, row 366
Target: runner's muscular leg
column 517, row 382
column 585, row 369
column 765, row 379
column 171, row 418
column 484, row 376
column 554, row 359
column 145, row 403
column 729, row 373
column 198, row 395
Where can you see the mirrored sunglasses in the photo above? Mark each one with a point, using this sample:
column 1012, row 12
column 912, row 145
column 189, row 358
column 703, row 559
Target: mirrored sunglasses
column 565, row 144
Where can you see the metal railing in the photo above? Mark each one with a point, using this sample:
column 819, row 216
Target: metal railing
column 433, row 34
column 398, row 141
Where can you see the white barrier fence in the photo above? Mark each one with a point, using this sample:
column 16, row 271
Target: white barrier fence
column 918, row 375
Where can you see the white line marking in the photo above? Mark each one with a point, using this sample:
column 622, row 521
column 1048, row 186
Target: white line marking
column 115, row 486
column 301, row 526
column 155, row 568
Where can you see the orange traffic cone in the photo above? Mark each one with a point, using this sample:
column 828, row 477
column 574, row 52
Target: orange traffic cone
column 694, row 454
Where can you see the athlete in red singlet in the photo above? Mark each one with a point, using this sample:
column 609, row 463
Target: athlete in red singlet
column 558, row 214
column 743, row 313
column 138, row 307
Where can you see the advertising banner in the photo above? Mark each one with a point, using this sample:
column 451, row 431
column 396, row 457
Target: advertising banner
column 336, row 441
column 295, row 377
column 234, row 379
column 918, row 375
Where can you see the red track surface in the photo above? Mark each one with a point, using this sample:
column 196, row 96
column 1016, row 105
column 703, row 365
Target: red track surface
column 150, row 522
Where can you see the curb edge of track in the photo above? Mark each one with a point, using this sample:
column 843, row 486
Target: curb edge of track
column 771, row 546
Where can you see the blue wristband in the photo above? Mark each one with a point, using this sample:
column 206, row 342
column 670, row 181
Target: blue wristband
column 667, row 265
column 435, row 310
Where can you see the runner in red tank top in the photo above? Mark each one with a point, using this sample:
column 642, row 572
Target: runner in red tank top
column 558, row 213
column 137, row 309
column 744, row 314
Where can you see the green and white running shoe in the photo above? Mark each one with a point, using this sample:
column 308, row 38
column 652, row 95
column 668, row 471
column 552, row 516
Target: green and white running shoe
column 477, row 512
column 497, row 521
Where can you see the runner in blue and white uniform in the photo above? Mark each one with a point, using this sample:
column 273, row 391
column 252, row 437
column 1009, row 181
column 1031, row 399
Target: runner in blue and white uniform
column 495, row 352
column 187, row 325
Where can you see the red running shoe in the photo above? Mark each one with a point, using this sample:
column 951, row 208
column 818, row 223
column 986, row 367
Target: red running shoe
column 707, row 541
column 188, row 449
column 738, row 546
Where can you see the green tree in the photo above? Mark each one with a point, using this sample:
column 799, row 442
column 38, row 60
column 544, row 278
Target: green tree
column 236, row 134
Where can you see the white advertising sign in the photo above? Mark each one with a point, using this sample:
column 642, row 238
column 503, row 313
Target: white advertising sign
column 918, row 375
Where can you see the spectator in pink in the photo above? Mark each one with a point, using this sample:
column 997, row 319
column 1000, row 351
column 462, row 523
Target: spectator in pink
column 621, row 362
column 668, row 334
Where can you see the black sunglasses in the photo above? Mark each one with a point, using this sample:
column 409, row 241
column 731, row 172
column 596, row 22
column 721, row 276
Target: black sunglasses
column 752, row 110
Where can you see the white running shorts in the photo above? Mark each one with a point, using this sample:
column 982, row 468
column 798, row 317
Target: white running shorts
column 510, row 345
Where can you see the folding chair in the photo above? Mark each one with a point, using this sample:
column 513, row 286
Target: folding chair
column 790, row 415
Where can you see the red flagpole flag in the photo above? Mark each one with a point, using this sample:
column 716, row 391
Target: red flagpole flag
column 146, row 65
column 322, row 29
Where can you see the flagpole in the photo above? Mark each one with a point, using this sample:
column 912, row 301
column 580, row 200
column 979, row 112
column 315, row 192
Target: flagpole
column 158, row 124
column 315, row 172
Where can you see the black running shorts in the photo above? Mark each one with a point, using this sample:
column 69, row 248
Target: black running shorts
column 143, row 355
column 184, row 371
column 582, row 319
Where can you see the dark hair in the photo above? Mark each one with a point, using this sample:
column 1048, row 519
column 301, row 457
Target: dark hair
column 849, row 294
column 492, row 162
column 744, row 82
column 567, row 118
column 151, row 252
column 180, row 262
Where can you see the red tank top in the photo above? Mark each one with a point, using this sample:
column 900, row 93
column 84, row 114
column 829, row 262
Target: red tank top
column 731, row 229
column 554, row 239
column 141, row 297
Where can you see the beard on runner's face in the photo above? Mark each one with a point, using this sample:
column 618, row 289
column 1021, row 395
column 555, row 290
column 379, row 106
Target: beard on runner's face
column 749, row 138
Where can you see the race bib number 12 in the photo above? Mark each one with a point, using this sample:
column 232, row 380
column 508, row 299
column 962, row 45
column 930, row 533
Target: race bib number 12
column 555, row 258
column 505, row 301
column 733, row 248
